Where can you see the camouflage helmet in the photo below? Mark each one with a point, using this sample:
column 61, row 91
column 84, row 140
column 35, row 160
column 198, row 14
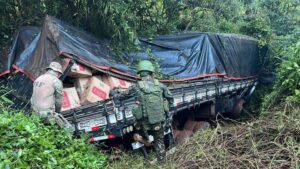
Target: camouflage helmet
column 145, row 65
column 55, row 66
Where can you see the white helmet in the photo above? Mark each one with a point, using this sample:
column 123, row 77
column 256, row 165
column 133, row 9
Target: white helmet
column 55, row 66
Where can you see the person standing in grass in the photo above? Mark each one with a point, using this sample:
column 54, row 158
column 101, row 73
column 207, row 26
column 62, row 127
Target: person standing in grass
column 46, row 99
column 152, row 111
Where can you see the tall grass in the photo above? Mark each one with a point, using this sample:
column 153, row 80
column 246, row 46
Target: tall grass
column 25, row 142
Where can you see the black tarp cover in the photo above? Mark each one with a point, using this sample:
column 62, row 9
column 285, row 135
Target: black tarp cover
column 180, row 56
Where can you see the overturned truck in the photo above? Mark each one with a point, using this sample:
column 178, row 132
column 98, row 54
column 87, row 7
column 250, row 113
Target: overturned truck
column 208, row 73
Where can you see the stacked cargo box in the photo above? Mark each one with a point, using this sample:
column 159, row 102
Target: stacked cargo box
column 191, row 126
column 83, row 87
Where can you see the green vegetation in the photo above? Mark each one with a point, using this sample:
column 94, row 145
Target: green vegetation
column 26, row 143
column 271, row 141
column 287, row 86
column 125, row 21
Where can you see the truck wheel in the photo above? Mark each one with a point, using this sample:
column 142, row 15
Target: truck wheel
column 236, row 111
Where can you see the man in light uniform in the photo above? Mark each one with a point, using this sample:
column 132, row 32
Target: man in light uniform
column 46, row 99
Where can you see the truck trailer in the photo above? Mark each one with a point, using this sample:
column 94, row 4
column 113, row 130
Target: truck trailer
column 208, row 74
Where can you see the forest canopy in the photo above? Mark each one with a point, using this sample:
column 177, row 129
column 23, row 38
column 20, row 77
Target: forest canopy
column 125, row 21
column 275, row 23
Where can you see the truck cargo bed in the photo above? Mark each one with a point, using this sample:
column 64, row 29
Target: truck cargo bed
column 117, row 114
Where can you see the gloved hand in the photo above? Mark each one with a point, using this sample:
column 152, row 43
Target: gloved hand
column 113, row 93
column 171, row 104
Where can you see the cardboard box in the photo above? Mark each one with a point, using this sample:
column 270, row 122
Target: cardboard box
column 70, row 99
column 81, row 86
column 201, row 125
column 183, row 136
column 195, row 125
column 79, row 70
column 114, row 82
column 175, row 133
column 96, row 91
column 190, row 124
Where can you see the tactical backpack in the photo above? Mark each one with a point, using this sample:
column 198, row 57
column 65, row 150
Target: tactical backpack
column 152, row 103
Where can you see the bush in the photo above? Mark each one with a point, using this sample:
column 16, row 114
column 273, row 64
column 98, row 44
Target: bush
column 26, row 143
column 287, row 86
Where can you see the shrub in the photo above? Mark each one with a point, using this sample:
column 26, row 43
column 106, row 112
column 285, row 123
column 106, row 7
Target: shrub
column 287, row 85
column 26, row 143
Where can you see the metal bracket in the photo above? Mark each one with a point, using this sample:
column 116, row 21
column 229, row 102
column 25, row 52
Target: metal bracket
column 67, row 71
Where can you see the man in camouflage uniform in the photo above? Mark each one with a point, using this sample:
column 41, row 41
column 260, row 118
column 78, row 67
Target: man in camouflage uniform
column 152, row 110
column 47, row 94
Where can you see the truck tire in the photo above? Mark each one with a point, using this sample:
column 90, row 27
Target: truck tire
column 237, row 108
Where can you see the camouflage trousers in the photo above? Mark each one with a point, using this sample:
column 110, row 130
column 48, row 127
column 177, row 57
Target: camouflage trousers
column 157, row 131
column 49, row 116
